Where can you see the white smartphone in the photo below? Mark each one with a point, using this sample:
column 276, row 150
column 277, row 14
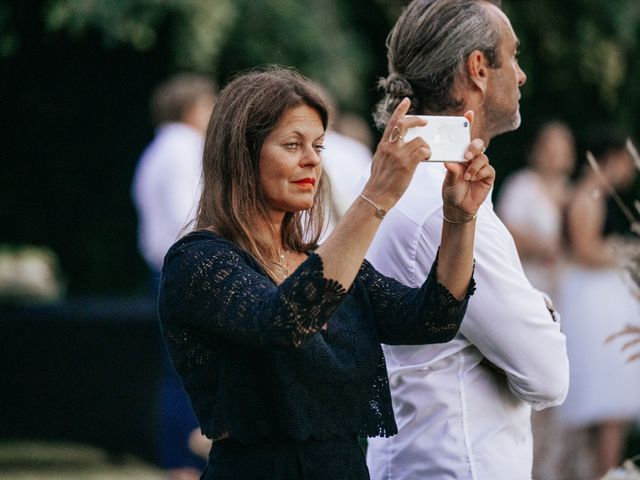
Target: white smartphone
column 448, row 137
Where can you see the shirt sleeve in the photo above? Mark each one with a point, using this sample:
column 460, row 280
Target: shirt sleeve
column 413, row 316
column 210, row 286
column 508, row 320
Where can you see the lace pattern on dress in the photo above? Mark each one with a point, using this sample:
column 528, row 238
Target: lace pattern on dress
column 253, row 358
column 225, row 292
column 412, row 316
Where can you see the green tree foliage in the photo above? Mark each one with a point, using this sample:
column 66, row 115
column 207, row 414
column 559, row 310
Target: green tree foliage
column 8, row 37
column 224, row 36
column 580, row 49
column 314, row 36
column 197, row 27
column 573, row 51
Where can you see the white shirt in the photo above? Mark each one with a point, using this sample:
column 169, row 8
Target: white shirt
column 345, row 161
column 525, row 203
column 166, row 188
column 457, row 418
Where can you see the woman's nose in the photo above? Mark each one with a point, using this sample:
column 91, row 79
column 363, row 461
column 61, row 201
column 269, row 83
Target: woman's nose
column 310, row 156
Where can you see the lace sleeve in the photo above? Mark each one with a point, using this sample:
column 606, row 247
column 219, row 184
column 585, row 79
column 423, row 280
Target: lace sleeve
column 210, row 285
column 414, row 316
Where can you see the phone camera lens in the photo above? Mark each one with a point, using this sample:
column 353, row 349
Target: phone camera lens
column 466, row 124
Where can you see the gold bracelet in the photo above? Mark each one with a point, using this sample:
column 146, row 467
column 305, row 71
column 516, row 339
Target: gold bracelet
column 459, row 223
column 380, row 212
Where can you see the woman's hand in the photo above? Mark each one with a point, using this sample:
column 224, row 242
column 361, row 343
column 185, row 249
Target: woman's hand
column 467, row 184
column 395, row 161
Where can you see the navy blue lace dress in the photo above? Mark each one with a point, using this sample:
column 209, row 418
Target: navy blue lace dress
column 257, row 364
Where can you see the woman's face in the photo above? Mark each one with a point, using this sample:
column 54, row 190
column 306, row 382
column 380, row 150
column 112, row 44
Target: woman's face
column 554, row 152
column 290, row 167
column 620, row 169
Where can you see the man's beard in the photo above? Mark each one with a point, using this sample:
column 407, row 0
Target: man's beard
column 499, row 122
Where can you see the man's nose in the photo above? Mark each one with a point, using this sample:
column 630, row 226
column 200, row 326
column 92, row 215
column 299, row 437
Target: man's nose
column 522, row 77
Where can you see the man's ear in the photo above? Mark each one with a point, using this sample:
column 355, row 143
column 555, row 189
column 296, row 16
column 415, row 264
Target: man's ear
column 478, row 71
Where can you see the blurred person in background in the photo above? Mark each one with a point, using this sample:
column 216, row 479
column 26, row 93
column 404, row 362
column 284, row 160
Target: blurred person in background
column 532, row 204
column 166, row 187
column 345, row 159
column 277, row 338
column 463, row 408
column 596, row 302
column 354, row 126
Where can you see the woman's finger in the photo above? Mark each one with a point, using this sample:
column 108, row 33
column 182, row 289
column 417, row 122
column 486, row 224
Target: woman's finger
column 403, row 125
column 400, row 111
column 421, row 154
column 410, row 121
column 410, row 148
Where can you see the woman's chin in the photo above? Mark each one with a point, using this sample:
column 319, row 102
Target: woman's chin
column 301, row 208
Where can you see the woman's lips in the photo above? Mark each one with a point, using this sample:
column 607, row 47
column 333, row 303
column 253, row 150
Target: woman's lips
column 306, row 181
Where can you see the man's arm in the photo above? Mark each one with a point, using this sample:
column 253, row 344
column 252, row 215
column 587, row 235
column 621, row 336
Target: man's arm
column 507, row 319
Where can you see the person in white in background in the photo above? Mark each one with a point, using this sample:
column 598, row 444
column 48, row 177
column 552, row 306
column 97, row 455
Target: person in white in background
column 531, row 204
column 166, row 183
column 463, row 408
column 345, row 160
column 165, row 191
column 597, row 301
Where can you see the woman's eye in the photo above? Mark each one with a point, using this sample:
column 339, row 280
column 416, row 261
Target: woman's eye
column 292, row 145
column 318, row 148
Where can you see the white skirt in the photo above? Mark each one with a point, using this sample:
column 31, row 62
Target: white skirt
column 595, row 303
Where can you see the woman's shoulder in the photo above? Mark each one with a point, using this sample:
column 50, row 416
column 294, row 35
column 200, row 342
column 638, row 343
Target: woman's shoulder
column 204, row 243
column 521, row 183
column 203, row 239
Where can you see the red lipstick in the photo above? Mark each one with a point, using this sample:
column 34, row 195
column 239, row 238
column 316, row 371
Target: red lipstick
column 306, row 181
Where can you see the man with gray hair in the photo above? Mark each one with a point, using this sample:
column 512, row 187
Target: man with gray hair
column 463, row 408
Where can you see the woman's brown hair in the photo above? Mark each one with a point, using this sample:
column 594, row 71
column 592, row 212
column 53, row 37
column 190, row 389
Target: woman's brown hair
column 232, row 202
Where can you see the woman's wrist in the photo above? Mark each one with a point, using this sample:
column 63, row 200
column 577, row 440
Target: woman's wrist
column 456, row 217
column 381, row 203
column 380, row 212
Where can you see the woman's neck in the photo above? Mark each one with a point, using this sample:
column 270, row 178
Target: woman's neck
column 271, row 226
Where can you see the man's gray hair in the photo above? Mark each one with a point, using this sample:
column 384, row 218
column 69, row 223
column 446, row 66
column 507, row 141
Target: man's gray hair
column 427, row 51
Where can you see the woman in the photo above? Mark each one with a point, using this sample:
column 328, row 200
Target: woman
column 596, row 302
column 545, row 184
column 277, row 340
